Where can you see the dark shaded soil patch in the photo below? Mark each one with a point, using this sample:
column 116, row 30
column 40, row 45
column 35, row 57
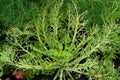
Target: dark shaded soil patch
column 117, row 61
column 49, row 77
column 43, row 77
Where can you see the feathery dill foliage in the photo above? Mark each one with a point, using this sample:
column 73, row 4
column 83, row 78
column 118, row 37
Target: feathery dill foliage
column 100, row 10
column 15, row 12
column 63, row 39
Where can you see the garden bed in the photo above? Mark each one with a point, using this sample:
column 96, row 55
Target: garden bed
column 59, row 40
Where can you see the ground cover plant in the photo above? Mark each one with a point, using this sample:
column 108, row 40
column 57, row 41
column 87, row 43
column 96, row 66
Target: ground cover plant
column 61, row 40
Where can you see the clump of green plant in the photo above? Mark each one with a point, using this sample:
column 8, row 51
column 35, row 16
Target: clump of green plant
column 100, row 10
column 15, row 12
column 62, row 40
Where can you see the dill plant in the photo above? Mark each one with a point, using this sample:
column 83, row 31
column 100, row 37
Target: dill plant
column 99, row 9
column 15, row 12
column 62, row 40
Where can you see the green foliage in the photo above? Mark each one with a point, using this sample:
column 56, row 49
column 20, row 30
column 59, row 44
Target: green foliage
column 107, row 72
column 100, row 10
column 15, row 12
column 63, row 38
column 1, row 70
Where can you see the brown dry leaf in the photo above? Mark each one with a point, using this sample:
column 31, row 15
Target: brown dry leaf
column 98, row 75
column 7, row 79
column 18, row 74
